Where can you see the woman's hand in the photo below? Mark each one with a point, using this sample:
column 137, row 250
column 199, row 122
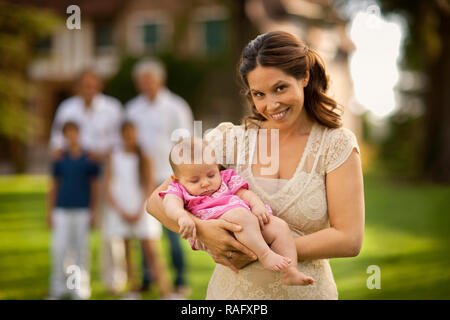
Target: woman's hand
column 221, row 245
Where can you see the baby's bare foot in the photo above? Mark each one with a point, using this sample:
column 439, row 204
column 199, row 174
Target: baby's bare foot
column 273, row 261
column 292, row 277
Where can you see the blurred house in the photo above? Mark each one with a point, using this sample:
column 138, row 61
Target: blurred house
column 110, row 29
column 197, row 29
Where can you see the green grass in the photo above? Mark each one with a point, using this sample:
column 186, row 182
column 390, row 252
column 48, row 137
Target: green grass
column 406, row 235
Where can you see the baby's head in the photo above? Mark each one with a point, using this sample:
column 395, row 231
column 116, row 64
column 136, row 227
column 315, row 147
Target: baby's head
column 194, row 166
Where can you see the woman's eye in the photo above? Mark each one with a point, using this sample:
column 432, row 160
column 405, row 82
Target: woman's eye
column 258, row 94
column 280, row 88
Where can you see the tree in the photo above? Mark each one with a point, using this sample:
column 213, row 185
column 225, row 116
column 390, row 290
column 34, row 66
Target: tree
column 427, row 49
column 20, row 28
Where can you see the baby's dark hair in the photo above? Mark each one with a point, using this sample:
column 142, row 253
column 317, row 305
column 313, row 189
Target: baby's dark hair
column 70, row 125
column 198, row 151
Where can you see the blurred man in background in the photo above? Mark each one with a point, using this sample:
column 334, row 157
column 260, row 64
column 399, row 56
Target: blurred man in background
column 157, row 113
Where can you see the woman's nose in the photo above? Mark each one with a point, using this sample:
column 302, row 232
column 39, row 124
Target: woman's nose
column 273, row 105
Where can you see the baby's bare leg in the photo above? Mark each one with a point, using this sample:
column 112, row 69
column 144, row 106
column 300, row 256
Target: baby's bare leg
column 277, row 233
column 251, row 237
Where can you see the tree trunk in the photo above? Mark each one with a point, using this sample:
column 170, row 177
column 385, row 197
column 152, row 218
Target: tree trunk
column 437, row 101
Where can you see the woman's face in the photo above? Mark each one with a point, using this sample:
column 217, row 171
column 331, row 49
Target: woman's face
column 277, row 96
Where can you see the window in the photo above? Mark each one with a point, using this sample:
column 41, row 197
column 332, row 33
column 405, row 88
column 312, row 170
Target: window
column 215, row 36
column 211, row 29
column 151, row 36
column 103, row 36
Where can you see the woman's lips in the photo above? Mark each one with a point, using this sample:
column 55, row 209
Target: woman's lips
column 279, row 115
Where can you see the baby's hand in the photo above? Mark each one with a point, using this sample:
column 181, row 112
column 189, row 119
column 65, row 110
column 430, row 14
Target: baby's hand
column 261, row 213
column 187, row 227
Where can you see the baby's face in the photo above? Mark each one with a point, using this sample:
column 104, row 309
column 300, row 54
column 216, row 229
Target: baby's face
column 200, row 179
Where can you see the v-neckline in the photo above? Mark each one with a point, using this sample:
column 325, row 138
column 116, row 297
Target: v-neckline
column 252, row 150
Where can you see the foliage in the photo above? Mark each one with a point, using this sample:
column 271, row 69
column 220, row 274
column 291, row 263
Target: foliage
column 20, row 28
column 398, row 150
column 427, row 50
column 186, row 76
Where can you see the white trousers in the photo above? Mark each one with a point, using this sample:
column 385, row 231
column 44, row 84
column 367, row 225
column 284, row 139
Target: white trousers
column 70, row 253
column 113, row 263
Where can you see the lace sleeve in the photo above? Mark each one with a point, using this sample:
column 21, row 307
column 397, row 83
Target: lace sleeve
column 221, row 139
column 341, row 143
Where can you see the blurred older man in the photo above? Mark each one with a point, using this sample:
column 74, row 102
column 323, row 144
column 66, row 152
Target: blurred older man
column 157, row 113
column 98, row 117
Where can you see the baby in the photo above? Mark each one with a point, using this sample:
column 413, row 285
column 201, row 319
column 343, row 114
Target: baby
column 199, row 188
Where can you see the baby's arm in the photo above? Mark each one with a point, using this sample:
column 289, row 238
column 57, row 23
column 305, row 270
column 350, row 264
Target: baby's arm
column 256, row 204
column 174, row 208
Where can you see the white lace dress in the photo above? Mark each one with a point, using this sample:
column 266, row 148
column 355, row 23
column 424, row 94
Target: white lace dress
column 300, row 201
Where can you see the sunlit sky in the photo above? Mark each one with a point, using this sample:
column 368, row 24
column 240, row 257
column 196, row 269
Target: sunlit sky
column 374, row 63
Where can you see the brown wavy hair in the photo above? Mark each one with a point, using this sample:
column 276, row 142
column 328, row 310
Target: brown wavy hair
column 284, row 51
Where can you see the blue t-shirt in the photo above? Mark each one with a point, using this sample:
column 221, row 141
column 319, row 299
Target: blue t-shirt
column 74, row 175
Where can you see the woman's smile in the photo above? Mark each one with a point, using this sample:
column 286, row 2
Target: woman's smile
column 279, row 116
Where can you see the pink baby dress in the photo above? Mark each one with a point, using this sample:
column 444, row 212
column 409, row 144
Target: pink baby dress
column 213, row 206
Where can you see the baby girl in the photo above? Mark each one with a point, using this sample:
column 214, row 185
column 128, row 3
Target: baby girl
column 199, row 188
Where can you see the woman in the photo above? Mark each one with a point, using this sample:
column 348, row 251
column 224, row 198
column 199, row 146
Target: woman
column 129, row 180
column 313, row 179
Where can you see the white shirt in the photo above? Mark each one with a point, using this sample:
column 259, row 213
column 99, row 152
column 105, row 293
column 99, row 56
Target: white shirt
column 156, row 121
column 99, row 125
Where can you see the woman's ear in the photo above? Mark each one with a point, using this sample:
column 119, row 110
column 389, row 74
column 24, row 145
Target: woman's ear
column 305, row 80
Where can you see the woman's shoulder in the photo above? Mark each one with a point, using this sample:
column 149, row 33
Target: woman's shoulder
column 339, row 144
column 339, row 136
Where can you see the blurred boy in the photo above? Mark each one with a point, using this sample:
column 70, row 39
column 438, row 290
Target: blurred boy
column 71, row 212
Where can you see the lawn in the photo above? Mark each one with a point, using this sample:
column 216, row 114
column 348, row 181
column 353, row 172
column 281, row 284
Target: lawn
column 406, row 236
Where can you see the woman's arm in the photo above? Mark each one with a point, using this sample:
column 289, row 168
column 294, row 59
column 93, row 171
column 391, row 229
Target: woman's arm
column 345, row 197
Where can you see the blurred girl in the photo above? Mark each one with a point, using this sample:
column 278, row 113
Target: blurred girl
column 129, row 181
